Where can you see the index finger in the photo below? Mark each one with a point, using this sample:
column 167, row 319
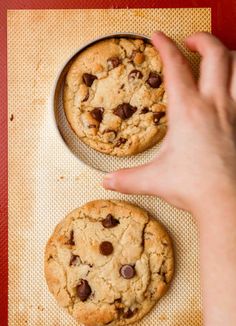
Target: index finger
column 179, row 80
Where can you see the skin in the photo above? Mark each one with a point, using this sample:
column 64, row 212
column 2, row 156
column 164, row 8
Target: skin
column 196, row 168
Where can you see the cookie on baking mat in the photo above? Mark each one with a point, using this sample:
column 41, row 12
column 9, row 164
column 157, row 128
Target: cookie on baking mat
column 114, row 96
column 108, row 262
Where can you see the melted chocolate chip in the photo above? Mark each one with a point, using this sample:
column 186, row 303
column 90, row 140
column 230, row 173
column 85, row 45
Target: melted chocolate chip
column 120, row 310
column 121, row 141
column 88, row 79
column 97, row 114
column 71, row 241
column 11, row 117
column 119, row 306
column 113, row 62
column 110, row 222
column 74, row 260
column 129, row 313
column 145, row 110
column 83, row 290
column 157, row 117
column 127, row 271
column 125, row 111
column 106, row 248
column 135, row 74
column 154, row 80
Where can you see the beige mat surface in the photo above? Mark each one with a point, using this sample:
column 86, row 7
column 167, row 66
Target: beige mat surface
column 46, row 181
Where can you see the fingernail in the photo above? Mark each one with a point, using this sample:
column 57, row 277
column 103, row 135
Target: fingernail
column 109, row 182
column 158, row 32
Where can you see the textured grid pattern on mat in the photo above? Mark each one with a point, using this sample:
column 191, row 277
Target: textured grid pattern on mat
column 46, row 181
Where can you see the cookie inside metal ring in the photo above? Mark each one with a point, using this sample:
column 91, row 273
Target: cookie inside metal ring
column 106, row 90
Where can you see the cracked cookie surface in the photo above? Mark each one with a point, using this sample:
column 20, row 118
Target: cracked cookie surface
column 108, row 263
column 114, row 97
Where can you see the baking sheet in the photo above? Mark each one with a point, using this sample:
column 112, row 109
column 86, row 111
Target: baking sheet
column 46, row 181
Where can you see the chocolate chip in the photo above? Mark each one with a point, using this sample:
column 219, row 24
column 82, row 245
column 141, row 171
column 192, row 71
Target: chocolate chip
column 127, row 271
column 124, row 110
column 121, row 141
column 135, row 74
column 74, row 260
column 11, row 117
column 120, row 310
column 97, row 114
column 157, row 117
column 119, row 306
column 145, row 110
column 106, row 248
column 88, row 79
column 122, row 86
column 83, row 290
column 154, row 80
column 129, row 313
column 71, row 239
column 110, row 222
column 113, row 62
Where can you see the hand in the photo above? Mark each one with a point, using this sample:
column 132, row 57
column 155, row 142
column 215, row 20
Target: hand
column 197, row 161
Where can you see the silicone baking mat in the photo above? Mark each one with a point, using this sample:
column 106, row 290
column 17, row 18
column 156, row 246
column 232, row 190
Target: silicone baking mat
column 47, row 181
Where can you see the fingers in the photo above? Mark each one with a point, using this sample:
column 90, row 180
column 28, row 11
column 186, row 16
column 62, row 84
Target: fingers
column 215, row 64
column 233, row 79
column 138, row 180
column 179, row 79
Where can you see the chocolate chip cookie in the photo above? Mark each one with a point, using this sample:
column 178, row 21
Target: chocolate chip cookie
column 108, row 263
column 114, row 97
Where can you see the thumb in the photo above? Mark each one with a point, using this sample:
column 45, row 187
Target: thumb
column 138, row 180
